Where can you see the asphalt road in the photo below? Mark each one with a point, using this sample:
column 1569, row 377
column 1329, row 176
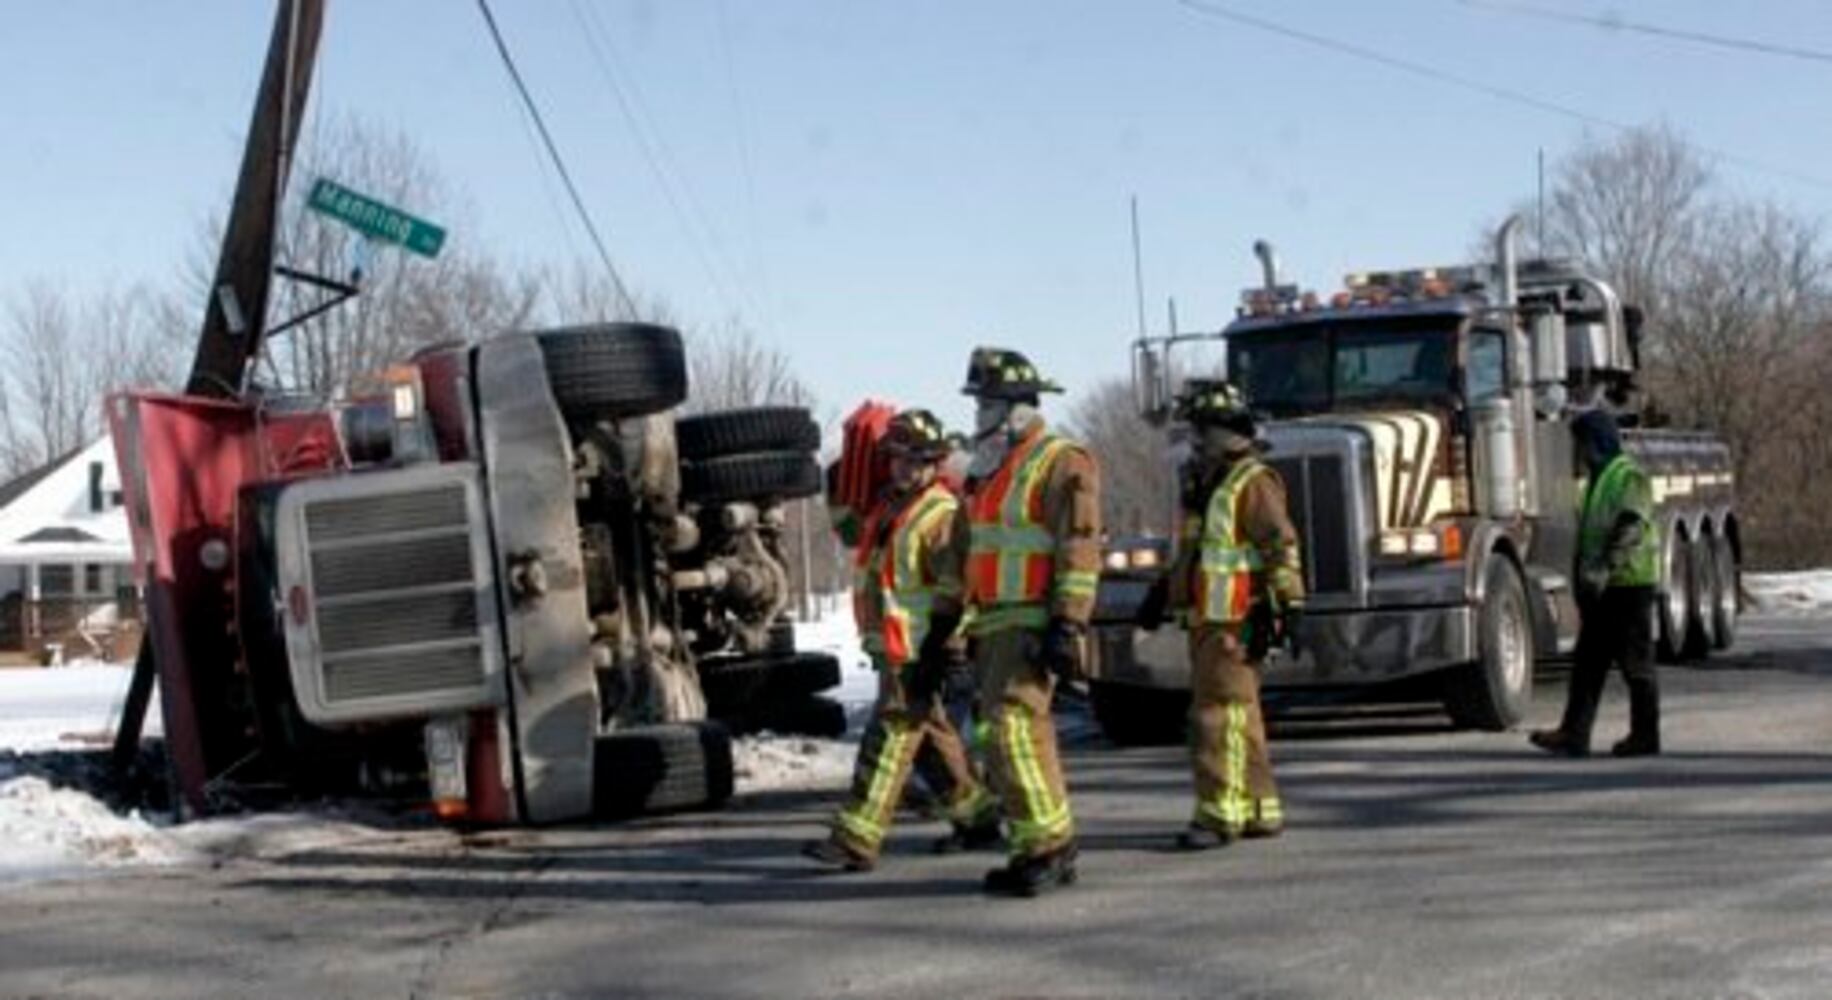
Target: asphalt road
column 1421, row 863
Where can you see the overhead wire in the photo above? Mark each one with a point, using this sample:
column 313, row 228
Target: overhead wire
column 1615, row 22
column 1214, row 10
column 655, row 152
column 748, row 172
column 559, row 162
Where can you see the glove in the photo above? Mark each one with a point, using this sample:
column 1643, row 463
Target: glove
column 1260, row 630
column 935, row 660
column 1154, row 608
column 1291, row 617
column 1061, row 652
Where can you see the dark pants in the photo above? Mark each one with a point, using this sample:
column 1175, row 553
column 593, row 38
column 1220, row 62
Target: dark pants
column 1616, row 630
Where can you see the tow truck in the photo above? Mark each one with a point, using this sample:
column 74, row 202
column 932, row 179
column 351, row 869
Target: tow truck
column 1420, row 419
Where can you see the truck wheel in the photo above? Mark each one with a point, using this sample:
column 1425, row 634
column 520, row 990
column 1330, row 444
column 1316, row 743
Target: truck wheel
column 740, row 432
column 733, row 684
column 807, row 715
column 651, row 769
column 1701, row 630
column 766, row 475
column 608, row 371
column 1729, row 587
column 1494, row 692
column 1675, row 604
column 1133, row 716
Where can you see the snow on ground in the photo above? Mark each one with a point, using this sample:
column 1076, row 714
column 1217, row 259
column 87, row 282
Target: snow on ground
column 46, row 708
column 46, row 831
column 1806, row 594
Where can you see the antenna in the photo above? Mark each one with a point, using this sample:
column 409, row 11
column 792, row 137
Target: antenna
column 1138, row 267
column 1173, row 315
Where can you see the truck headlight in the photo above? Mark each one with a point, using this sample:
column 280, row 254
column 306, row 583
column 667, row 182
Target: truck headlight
column 1116, row 560
column 1440, row 541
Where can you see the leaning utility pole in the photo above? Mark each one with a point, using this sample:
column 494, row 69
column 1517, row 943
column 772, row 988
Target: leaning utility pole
column 236, row 312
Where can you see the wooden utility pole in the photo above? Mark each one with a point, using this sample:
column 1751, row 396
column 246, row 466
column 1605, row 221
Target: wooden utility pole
column 236, row 313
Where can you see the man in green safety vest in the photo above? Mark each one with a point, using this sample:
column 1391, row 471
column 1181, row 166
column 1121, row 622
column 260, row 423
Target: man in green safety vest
column 908, row 601
column 1618, row 554
column 1238, row 581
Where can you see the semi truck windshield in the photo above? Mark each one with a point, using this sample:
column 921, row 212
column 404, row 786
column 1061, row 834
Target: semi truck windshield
column 1313, row 369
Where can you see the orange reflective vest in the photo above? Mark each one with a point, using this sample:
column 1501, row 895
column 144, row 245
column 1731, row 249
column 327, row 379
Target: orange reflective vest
column 895, row 574
column 1224, row 577
column 1012, row 560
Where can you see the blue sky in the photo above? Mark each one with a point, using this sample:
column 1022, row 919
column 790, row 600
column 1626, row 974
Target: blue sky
column 875, row 187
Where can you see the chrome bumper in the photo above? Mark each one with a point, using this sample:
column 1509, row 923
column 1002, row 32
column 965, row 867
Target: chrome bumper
column 1339, row 649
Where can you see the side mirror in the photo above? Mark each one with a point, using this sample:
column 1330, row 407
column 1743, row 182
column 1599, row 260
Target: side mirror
column 1150, row 391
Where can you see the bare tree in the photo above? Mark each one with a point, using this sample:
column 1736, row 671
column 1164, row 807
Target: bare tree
column 730, row 367
column 65, row 357
column 1138, row 484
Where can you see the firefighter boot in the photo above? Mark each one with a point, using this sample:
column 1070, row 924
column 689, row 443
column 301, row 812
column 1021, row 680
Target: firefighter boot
column 1202, row 837
column 970, row 837
column 1030, row 876
column 1559, row 743
column 838, row 855
column 1643, row 720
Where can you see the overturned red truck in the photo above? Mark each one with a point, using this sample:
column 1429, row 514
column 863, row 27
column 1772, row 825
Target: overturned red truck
column 510, row 581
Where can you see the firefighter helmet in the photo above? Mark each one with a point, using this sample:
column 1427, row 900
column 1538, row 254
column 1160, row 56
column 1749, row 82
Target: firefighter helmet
column 1214, row 403
column 996, row 373
column 916, row 434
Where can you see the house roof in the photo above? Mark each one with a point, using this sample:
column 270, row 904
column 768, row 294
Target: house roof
column 17, row 487
column 59, row 535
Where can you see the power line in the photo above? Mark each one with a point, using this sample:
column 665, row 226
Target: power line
column 1500, row 93
column 1614, row 22
column 553, row 151
column 655, row 152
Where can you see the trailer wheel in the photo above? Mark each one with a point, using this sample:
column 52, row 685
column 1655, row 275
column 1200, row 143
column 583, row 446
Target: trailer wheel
column 1729, row 588
column 740, row 432
column 608, row 371
column 1134, row 716
column 1494, row 692
column 1701, row 630
column 651, row 769
column 1676, row 590
column 766, row 475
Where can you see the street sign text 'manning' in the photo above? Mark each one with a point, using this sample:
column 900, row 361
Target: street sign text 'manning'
column 375, row 219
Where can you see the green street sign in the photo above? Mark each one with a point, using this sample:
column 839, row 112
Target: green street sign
column 374, row 219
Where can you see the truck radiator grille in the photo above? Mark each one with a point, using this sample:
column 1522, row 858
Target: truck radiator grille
column 1318, row 498
column 395, row 594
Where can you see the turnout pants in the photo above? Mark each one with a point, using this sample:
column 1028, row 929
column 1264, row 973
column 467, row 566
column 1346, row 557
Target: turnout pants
column 907, row 723
column 1015, row 692
column 1616, row 629
column 1234, row 785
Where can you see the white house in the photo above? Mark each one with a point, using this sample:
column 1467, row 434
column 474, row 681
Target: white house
column 66, row 561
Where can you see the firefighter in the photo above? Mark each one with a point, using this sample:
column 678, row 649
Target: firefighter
column 1237, row 580
column 1034, row 503
column 1618, row 551
column 907, row 598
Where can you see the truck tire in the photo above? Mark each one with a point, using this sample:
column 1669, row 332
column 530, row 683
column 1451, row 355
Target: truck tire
column 1674, row 606
column 732, row 685
column 740, row 432
column 609, row 371
column 1133, row 716
column 1701, row 632
column 1494, row 692
column 807, row 715
column 651, row 769
column 1729, row 590
column 766, row 475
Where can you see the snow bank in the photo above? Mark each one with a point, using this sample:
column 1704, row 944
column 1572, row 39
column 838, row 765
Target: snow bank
column 47, row 831
column 1804, row 594
column 834, row 633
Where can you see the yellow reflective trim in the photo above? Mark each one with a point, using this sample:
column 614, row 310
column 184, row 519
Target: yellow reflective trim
column 988, row 619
